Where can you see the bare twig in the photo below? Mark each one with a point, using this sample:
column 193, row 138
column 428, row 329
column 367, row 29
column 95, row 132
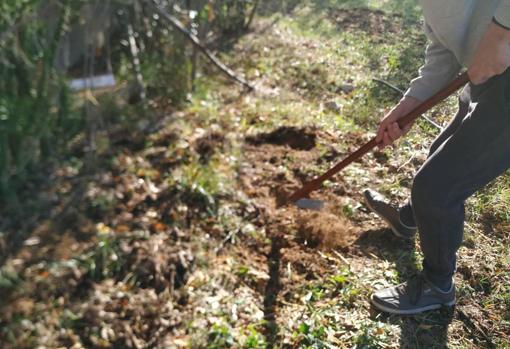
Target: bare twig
column 474, row 327
column 196, row 42
column 384, row 82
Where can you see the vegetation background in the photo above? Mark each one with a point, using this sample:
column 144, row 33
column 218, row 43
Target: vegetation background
column 143, row 215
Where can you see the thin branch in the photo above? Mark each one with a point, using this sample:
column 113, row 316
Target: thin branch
column 384, row 82
column 196, row 42
column 474, row 327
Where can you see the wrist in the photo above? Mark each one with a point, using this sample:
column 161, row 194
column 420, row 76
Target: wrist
column 499, row 32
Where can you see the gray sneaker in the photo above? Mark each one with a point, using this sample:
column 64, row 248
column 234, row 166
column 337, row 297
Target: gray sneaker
column 377, row 204
column 413, row 297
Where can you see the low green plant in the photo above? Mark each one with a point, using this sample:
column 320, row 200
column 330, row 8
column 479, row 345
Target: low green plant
column 220, row 337
column 242, row 271
column 254, row 340
column 9, row 280
column 311, row 336
column 104, row 261
column 371, row 335
column 197, row 186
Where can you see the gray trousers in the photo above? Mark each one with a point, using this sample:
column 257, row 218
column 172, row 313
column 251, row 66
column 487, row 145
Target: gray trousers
column 472, row 151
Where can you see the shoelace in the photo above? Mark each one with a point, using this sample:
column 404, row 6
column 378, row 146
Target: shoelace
column 414, row 288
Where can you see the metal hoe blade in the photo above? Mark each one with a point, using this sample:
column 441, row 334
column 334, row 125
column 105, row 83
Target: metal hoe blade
column 310, row 204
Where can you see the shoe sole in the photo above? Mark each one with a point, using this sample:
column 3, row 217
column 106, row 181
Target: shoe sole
column 411, row 311
column 393, row 229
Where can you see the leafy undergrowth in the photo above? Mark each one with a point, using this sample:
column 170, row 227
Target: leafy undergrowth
column 179, row 241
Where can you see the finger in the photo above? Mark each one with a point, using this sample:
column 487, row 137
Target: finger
column 380, row 143
column 380, row 132
column 379, row 135
column 394, row 131
column 386, row 139
column 383, row 142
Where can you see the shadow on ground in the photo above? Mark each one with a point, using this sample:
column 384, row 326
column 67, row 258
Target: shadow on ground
column 273, row 287
column 428, row 330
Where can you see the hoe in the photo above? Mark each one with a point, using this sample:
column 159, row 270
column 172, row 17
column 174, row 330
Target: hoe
column 300, row 196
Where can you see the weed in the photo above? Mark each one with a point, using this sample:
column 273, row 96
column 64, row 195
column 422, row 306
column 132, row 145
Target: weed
column 220, row 336
column 371, row 335
column 242, row 271
column 105, row 260
column 9, row 280
column 197, row 187
column 254, row 339
column 341, row 279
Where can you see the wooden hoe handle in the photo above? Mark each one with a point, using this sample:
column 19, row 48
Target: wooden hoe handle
column 315, row 183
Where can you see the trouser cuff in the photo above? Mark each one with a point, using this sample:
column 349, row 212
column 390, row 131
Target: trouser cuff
column 443, row 284
column 407, row 216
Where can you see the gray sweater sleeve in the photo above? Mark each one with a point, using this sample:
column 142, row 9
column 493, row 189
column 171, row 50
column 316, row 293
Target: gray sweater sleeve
column 440, row 67
column 503, row 13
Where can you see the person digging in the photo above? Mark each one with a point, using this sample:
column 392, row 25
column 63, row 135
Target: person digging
column 472, row 151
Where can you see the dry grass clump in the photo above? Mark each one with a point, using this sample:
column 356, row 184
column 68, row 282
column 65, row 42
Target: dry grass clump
column 325, row 230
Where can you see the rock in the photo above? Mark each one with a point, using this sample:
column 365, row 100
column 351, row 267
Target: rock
column 333, row 106
column 347, row 88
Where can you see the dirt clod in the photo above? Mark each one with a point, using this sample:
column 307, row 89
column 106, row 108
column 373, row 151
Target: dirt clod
column 294, row 137
column 206, row 146
column 281, row 194
column 325, row 229
column 159, row 264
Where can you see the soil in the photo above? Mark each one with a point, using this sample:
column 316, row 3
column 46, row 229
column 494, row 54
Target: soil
column 296, row 138
column 206, row 145
column 268, row 177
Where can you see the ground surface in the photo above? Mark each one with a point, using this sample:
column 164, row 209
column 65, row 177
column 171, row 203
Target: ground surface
column 179, row 242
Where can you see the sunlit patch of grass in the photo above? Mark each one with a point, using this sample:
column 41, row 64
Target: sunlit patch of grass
column 407, row 8
column 494, row 201
column 343, row 56
column 372, row 334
